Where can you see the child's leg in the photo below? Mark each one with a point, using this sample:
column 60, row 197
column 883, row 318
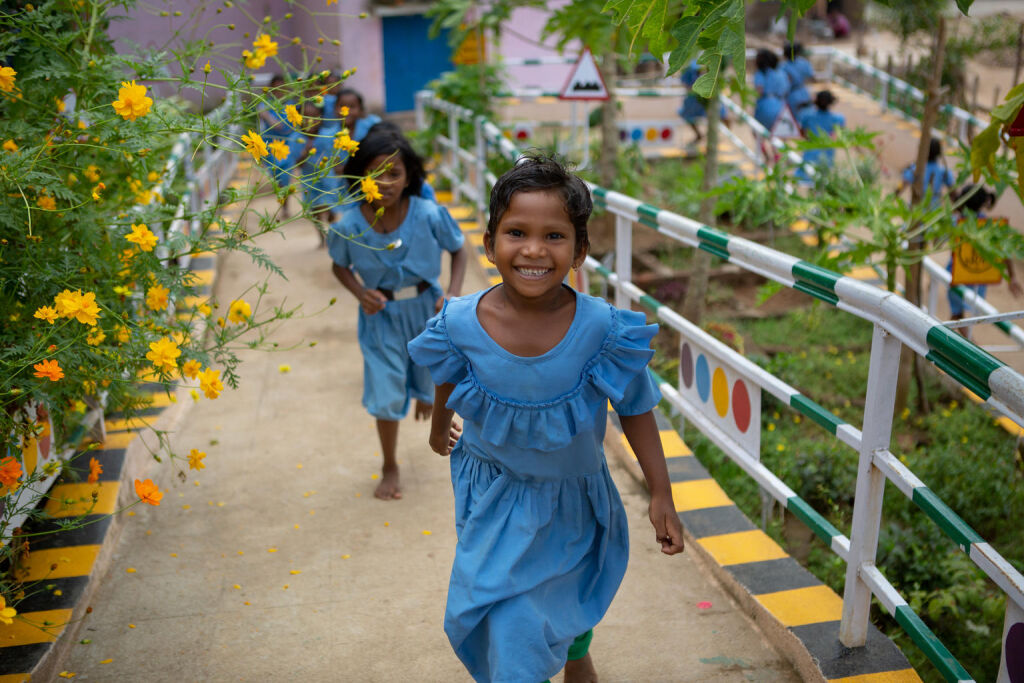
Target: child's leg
column 579, row 668
column 388, row 488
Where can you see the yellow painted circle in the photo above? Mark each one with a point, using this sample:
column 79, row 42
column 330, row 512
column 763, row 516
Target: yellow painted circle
column 652, row 134
column 720, row 392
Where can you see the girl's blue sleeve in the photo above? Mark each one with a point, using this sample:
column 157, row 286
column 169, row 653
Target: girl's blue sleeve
column 337, row 245
column 641, row 395
column 446, row 230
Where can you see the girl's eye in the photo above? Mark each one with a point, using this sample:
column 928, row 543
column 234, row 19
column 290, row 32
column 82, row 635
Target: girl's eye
column 515, row 233
column 556, row 236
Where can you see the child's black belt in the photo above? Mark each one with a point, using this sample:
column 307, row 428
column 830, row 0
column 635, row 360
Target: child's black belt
column 410, row 292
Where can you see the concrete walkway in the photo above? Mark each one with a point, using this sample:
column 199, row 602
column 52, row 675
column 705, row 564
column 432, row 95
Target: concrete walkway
column 276, row 563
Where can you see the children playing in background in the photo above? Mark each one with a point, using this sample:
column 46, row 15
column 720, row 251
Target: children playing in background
column 937, row 176
column 799, row 72
column 772, row 85
column 530, row 365
column 820, row 120
column 694, row 106
column 388, row 255
column 319, row 164
column 353, row 113
column 275, row 128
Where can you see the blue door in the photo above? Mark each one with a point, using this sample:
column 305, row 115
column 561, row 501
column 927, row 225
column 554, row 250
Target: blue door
column 411, row 60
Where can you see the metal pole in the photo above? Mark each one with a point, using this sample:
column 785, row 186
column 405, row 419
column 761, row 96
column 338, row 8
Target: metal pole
column 453, row 153
column 481, row 171
column 623, row 258
column 586, row 136
column 867, row 505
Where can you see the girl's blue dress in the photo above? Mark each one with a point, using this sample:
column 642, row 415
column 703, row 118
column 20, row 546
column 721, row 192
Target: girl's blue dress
column 542, row 534
column 390, row 379
column 773, row 86
column 319, row 169
column 282, row 129
column 814, row 121
column 799, row 71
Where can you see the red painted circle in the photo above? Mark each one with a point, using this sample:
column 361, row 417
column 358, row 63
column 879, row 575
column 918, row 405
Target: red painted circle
column 522, row 135
column 666, row 133
column 741, row 406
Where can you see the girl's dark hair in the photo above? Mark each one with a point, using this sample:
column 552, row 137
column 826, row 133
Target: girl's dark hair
column 934, row 149
column 536, row 172
column 766, row 59
column 824, row 99
column 792, row 50
column 976, row 200
column 354, row 93
column 385, row 139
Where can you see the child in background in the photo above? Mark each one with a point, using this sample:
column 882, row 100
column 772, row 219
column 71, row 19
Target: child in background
column 319, row 168
column 354, row 115
column 385, row 128
column 531, row 365
column 976, row 200
column 820, row 121
column 274, row 127
column 393, row 243
column 772, row 85
column 799, row 72
column 694, row 106
column 937, row 177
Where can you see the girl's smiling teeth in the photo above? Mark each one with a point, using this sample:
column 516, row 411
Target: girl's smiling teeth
column 533, row 272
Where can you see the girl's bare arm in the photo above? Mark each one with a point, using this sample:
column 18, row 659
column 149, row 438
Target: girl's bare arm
column 458, row 271
column 444, row 431
column 642, row 434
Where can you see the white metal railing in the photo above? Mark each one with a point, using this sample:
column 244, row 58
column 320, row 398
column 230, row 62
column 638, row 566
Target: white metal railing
column 896, row 323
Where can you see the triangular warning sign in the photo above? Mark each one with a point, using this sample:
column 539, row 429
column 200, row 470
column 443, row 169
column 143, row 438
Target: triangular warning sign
column 785, row 127
column 585, row 82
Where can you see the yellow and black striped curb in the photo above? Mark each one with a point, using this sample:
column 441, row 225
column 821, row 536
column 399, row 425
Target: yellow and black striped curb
column 761, row 575
column 63, row 562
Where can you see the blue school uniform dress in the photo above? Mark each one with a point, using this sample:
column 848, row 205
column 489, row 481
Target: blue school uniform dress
column 817, row 122
column 321, row 188
column 693, row 107
column 774, row 85
column 410, row 271
column 957, row 305
column 281, row 130
column 542, row 534
column 936, row 178
column 798, row 71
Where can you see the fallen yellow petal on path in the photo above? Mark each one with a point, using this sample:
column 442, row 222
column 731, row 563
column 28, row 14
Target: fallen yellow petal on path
column 426, row 533
column 237, row 587
column 345, row 557
column 295, row 571
column 271, row 550
column 130, row 570
column 106, row 661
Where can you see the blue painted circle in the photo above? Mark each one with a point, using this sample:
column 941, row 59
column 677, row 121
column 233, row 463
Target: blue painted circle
column 703, row 378
column 636, row 134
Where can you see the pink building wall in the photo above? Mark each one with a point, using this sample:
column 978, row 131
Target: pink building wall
column 520, row 39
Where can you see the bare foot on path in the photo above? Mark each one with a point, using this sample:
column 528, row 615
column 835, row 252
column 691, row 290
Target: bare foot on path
column 580, row 670
column 388, row 488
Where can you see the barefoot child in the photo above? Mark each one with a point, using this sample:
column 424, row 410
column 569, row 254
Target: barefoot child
column 530, row 365
column 393, row 242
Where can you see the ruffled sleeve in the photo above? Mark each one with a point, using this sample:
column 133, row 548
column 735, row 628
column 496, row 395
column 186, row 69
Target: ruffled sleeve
column 433, row 349
column 617, row 372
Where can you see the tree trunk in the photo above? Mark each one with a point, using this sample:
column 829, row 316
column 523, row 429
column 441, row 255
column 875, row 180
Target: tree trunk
column 602, row 228
column 696, row 291
column 909, row 360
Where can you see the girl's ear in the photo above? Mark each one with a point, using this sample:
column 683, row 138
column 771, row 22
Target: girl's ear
column 581, row 254
column 489, row 246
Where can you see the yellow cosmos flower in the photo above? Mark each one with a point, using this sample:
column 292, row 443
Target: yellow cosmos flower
column 47, row 203
column 279, row 148
column 206, row 68
column 156, row 298
column 96, row 191
column 46, row 313
column 142, row 236
column 343, row 112
column 240, row 311
column 195, row 459
column 81, row 307
column 343, row 141
column 153, row 176
column 92, row 173
column 255, row 145
column 209, row 382
column 123, row 334
column 131, row 102
column 191, row 368
column 254, row 60
column 264, row 45
column 294, row 117
column 95, row 337
column 370, row 189
column 7, row 614
column 7, row 79
column 204, row 309
column 331, row 2
column 163, row 354
column 11, row 146
column 60, row 105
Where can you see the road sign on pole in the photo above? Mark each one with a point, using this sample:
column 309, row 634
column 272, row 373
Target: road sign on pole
column 585, row 82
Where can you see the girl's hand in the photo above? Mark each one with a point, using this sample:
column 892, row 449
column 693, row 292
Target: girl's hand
column 439, row 304
column 442, row 444
column 668, row 529
column 423, row 410
column 372, row 301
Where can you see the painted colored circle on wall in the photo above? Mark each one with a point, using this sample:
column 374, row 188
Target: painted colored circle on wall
column 703, row 378
column 1014, row 651
column 637, row 134
column 720, row 392
column 686, row 365
column 652, row 133
column 741, row 405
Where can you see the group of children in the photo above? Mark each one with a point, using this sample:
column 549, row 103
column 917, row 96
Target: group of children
column 530, row 365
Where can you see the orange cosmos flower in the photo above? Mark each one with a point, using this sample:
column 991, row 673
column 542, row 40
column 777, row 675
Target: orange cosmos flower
column 156, row 297
column 95, row 470
column 255, row 145
column 209, row 382
column 279, row 148
column 195, row 459
column 48, row 369
column 47, row 313
column 10, row 472
column 191, row 369
column 131, row 102
column 142, row 236
column 148, row 492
